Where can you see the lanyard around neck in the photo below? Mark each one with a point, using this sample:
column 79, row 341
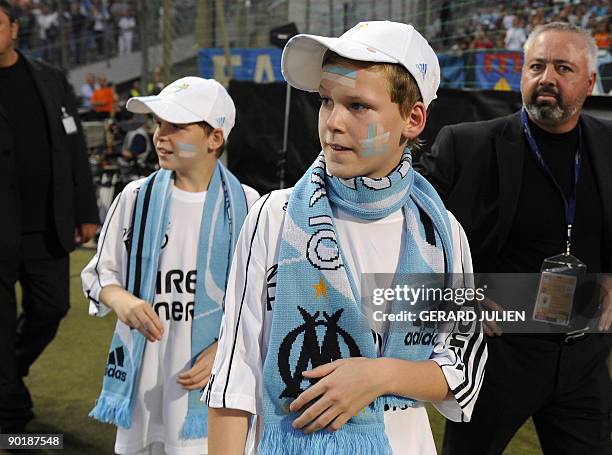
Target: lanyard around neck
column 570, row 204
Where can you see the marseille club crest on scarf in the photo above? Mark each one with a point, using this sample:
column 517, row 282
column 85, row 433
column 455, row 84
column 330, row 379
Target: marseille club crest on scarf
column 224, row 212
column 317, row 317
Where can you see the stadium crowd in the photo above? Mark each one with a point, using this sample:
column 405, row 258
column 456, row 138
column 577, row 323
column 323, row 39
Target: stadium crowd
column 90, row 27
column 94, row 28
column 506, row 25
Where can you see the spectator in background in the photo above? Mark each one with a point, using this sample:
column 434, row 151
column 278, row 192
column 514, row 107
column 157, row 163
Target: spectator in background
column 100, row 18
column 481, row 41
column 537, row 17
column 47, row 199
column 508, row 19
column 498, row 39
column 126, row 25
column 27, row 23
column 78, row 21
column 565, row 13
column 64, row 29
column 135, row 90
column 87, row 91
column 602, row 34
column 157, row 84
column 581, row 16
column 104, row 98
column 516, row 36
column 48, row 30
column 137, row 144
column 599, row 8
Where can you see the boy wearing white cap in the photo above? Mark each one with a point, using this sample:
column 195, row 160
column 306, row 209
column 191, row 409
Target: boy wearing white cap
column 162, row 263
column 295, row 349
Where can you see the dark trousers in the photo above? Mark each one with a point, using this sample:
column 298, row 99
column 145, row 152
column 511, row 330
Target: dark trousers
column 42, row 270
column 565, row 387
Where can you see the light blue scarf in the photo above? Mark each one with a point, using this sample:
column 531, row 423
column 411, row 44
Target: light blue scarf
column 317, row 315
column 224, row 212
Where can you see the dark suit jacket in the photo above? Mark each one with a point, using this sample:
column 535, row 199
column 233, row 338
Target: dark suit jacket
column 477, row 169
column 73, row 197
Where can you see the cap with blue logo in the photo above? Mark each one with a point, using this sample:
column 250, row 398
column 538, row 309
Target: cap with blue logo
column 376, row 41
column 189, row 100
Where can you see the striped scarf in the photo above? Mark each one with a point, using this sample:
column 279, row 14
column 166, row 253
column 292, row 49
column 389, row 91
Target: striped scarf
column 318, row 319
column 224, row 212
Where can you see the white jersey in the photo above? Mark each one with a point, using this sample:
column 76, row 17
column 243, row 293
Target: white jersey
column 369, row 247
column 160, row 403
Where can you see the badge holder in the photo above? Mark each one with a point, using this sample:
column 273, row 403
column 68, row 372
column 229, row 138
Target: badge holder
column 558, row 282
column 68, row 122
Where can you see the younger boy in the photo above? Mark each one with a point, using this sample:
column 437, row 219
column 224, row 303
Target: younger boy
column 293, row 298
column 162, row 263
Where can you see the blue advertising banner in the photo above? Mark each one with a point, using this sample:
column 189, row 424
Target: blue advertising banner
column 485, row 70
column 499, row 70
column 255, row 65
column 452, row 68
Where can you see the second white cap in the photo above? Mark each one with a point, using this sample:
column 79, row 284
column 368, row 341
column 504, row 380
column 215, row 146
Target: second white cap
column 188, row 100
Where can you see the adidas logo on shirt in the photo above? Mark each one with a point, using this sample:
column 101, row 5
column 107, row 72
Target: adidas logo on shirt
column 116, row 358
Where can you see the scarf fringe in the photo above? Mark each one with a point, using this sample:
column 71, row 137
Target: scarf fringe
column 115, row 410
column 283, row 439
column 196, row 425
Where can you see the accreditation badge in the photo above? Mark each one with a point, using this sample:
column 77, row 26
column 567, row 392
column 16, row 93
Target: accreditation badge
column 558, row 281
column 68, row 122
column 69, row 125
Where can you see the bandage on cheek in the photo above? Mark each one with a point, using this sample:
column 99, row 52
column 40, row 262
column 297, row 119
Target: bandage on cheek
column 187, row 150
column 343, row 76
column 377, row 142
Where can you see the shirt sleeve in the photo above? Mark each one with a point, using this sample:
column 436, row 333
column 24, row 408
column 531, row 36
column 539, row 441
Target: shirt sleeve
column 108, row 266
column 236, row 380
column 461, row 354
column 251, row 195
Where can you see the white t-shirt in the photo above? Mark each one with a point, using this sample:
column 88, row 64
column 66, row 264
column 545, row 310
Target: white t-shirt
column 515, row 38
column 160, row 403
column 126, row 24
column 369, row 246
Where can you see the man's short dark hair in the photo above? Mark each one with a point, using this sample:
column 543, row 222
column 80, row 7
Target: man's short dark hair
column 9, row 10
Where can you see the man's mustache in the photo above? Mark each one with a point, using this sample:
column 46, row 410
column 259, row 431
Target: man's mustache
column 545, row 91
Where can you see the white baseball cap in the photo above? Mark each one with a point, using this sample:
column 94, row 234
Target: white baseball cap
column 188, row 100
column 376, row 41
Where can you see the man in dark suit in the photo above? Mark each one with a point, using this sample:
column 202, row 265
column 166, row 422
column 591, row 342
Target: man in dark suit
column 509, row 181
column 46, row 197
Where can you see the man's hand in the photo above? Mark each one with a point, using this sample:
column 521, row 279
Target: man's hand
column 346, row 387
column 197, row 377
column 85, row 232
column 490, row 327
column 605, row 320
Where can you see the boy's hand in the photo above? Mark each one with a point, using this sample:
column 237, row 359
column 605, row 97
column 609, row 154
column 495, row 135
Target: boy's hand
column 347, row 386
column 141, row 316
column 197, row 377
